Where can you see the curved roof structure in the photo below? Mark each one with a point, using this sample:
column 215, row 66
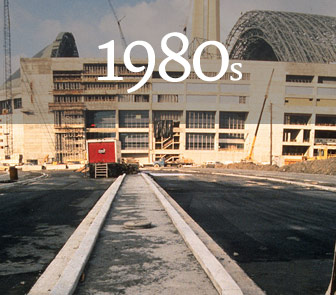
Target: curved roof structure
column 283, row 36
column 63, row 46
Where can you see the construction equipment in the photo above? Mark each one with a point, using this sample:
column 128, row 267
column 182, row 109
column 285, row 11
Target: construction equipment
column 8, row 83
column 122, row 36
column 322, row 154
column 172, row 163
column 250, row 155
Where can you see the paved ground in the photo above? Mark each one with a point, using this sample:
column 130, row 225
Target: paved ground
column 36, row 220
column 281, row 235
column 327, row 180
column 23, row 176
column 144, row 261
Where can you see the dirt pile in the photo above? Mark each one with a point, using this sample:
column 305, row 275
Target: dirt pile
column 316, row 167
column 250, row 166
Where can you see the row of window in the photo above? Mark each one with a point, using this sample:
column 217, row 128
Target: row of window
column 6, row 106
column 140, row 119
column 121, row 70
column 98, row 85
column 309, row 79
column 161, row 98
column 194, row 141
column 305, row 119
column 101, row 98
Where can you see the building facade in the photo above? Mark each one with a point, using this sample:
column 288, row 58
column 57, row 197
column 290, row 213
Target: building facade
column 58, row 104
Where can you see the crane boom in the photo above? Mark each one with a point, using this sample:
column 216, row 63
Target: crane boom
column 122, row 36
column 187, row 18
column 8, row 82
column 249, row 157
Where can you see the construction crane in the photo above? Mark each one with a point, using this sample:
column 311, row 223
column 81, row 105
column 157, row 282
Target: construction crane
column 185, row 26
column 249, row 157
column 122, row 36
column 7, row 111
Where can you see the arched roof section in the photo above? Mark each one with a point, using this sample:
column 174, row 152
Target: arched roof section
column 283, row 36
column 63, row 46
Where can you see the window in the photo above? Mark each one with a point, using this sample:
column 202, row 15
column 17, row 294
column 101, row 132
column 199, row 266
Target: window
column 294, row 150
column 200, row 141
column 326, row 80
column 299, row 79
column 201, row 120
column 67, row 86
column 100, row 98
column 231, row 141
column 242, row 99
column 133, row 119
column 17, row 103
column 168, row 98
column 100, row 119
column 95, row 69
column 141, row 98
column 66, row 99
column 68, row 118
column 232, row 120
column 326, row 120
column 134, row 141
column 297, row 119
column 6, row 106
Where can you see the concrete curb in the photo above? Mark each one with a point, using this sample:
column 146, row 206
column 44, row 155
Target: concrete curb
column 68, row 276
column 221, row 279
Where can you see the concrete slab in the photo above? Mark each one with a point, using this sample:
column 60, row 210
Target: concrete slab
column 142, row 261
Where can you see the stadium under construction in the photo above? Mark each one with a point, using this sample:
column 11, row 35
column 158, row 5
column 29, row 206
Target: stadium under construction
column 58, row 102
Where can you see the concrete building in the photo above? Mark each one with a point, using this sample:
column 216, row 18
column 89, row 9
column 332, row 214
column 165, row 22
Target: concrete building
column 58, row 104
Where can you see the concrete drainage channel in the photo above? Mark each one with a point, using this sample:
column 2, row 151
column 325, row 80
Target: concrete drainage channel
column 63, row 273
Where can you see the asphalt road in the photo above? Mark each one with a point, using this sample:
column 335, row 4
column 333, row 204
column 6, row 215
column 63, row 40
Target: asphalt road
column 35, row 222
column 281, row 235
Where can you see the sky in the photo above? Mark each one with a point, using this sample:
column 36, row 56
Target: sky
column 36, row 23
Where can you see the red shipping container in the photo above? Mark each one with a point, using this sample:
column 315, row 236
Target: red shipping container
column 102, row 152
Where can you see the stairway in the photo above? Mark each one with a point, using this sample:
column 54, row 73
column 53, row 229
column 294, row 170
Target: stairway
column 101, row 170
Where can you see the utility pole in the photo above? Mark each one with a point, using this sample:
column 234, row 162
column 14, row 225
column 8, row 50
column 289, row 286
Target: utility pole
column 7, row 111
column 271, row 134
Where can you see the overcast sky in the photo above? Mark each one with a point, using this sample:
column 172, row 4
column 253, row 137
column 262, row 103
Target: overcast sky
column 35, row 23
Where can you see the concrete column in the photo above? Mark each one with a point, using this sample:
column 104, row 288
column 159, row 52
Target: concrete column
column 198, row 20
column 151, row 147
column 213, row 32
column 217, row 132
column 213, row 24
